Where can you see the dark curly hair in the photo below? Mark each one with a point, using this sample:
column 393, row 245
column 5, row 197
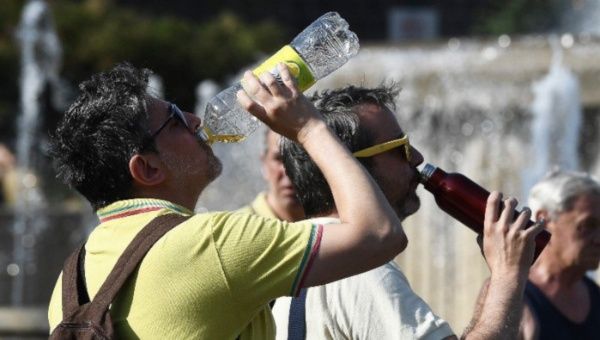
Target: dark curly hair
column 103, row 128
column 338, row 108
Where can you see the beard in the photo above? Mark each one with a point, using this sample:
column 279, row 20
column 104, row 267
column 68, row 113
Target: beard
column 204, row 171
column 215, row 167
column 407, row 206
column 408, row 203
column 213, row 163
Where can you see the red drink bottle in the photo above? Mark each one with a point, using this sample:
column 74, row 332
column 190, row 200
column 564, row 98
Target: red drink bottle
column 465, row 200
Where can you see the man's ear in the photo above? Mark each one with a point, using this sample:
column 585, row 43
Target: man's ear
column 541, row 214
column 544, row 214
column 146, row 169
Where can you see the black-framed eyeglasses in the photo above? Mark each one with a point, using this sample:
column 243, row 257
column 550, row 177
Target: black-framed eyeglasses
column 174, row 112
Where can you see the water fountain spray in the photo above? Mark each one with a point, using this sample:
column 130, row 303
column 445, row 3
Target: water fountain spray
column 556, row 121
column 41, row 56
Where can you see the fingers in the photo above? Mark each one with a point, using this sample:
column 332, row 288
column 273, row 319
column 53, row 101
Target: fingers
column 280, row 105
column 286, row 77
column 285, row 86
column 508, row 211
column 267, row 85
column 250, row 105
column 535, row 229
column 254, row 88
column 508, row 246
column 492, row 207
column 257, row 94
column 272, row 85
column 521, row 220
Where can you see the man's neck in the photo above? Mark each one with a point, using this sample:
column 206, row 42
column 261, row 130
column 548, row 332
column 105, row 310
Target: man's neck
column 550, row 272
column 285, row 213
column 563, row 285
column 186, row 201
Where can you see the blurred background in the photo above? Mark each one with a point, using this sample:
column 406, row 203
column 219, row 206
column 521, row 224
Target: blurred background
column 501, row 91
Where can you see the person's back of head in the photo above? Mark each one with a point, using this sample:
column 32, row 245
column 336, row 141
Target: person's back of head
column 339, row 110
column 556, row 192
column 103, row 128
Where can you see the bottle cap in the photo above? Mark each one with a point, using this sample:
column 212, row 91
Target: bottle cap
column 427, row 171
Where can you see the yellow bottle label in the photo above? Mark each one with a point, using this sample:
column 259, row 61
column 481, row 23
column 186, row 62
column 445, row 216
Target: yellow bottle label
column 294, row 62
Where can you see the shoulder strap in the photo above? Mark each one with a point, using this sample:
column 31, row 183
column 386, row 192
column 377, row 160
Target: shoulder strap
column 127, row 263
column 297, row 317
column 72, row 296
column 81, row 286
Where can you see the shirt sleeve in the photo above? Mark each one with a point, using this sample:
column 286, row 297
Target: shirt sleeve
column 263, row 258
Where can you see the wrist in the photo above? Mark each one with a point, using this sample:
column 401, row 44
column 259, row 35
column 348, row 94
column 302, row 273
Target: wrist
column 509, row 279
column 310, row 131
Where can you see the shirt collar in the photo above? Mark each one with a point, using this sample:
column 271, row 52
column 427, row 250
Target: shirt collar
column 136, row 206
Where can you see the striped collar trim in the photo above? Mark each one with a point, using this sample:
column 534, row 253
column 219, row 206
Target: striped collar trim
column 137, row 206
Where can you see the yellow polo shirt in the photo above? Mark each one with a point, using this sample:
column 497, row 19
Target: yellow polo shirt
column 211, row 277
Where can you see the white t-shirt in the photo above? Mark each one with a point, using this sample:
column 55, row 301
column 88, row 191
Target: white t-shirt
column 378, row 304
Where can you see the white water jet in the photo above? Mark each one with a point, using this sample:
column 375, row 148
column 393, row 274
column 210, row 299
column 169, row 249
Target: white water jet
column 41, row 57
column 556, row 125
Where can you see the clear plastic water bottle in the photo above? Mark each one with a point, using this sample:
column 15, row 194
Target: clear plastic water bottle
column 318, row 50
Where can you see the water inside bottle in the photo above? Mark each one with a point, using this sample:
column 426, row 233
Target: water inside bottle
column 210, row 137
column 226, row 138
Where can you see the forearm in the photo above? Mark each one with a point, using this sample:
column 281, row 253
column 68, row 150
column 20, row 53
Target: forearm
column 497, row 314
column 508, row 249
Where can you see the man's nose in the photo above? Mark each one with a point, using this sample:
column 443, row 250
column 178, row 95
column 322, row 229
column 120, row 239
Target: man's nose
column 281, row 167
column 194, row 121
column 416, row 157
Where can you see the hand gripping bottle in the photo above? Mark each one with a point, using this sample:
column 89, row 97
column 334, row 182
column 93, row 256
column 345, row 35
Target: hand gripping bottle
column 320, row 49
column 465, row 200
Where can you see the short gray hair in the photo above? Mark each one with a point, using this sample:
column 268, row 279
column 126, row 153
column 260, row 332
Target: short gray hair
column 339, row 109
column 557, row 191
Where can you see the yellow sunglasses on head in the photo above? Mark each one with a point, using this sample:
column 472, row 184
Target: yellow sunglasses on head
column 383, row 147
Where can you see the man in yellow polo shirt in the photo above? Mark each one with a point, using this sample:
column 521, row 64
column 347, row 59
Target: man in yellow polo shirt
column 134, row 157
column 279, row 201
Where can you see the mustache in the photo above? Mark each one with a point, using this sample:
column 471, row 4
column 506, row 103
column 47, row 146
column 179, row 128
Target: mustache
column 416, row 175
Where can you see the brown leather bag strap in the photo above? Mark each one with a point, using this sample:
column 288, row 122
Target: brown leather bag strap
column 71, row 288
column 125, row 266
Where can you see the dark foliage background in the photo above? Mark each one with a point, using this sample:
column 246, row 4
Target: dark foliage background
column 97, row 34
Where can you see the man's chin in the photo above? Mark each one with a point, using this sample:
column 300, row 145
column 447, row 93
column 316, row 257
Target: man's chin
column 592, row 263
column 216, row 168
column 409, row 207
